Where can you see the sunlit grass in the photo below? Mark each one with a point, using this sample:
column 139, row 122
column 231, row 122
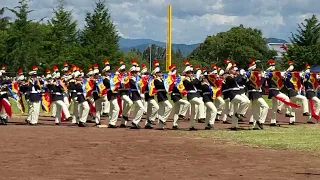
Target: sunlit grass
column 302, row 137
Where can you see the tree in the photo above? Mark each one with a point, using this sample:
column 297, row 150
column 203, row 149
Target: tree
column 239, row 44
column 99, row 38
column 305, row 47
column 63, row 36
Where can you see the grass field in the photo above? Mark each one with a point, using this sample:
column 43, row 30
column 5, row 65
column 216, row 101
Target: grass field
column 302, row 137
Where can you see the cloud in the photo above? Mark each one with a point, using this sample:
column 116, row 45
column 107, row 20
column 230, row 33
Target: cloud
column 192, row 20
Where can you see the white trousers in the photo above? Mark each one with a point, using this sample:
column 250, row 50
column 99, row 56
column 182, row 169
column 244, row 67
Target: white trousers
column 152, row 111
column 138, row 111
column 219, row 104
column 180, row 107
column 61, row 106
column 281, row 104
column 126, row 106
column 34, row 111
column 245, row 109
column 202, row 114
column 239, row 104
column 53, row 110
column 259, row 111
column 106, row 105
column 114, row 111
column 227, row 110
column 316, row 105
column 75, row 114
column 165, row 108
column 98, row 106
column 211, row 113
column 84, row 109
column 193, row 103
column 303, row 100
column 66, row 100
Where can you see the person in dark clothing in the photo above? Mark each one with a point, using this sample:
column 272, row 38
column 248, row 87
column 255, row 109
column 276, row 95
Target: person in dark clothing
column 208, row 102
column 165, row 106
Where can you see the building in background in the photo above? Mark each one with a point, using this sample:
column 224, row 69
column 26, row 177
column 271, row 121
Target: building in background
column 280, row 48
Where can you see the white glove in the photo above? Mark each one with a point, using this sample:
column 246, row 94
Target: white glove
column 221, row 72
column 142, row 96
column 198, row 74
column 242, row 72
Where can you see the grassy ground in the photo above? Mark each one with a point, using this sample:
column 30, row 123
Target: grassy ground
column 302, row 137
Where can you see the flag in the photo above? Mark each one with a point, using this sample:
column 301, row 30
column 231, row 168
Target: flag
column 115, row 83
column 152, row 88
column 180, row 86
column 46, row 101
column 14, row 91
column 142, row 83
column 62, row 85
column 101, row 89
column 169, row 82
column 216, row 85
column 87, row 86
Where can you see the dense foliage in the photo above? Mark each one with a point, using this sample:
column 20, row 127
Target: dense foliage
column 305, row 47
column 239, row 44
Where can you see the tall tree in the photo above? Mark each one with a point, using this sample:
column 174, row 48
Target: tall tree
column 64, row 35
column 239, row 44
column 305, row 47
column 99, row 38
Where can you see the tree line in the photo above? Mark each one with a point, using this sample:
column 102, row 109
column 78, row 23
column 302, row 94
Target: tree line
column 25, row 42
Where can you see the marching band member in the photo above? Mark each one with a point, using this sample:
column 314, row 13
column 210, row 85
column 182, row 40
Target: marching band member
column 153, row 107
column 310, row 81
column 165, row 106
column 180, row 106
column 73, row 93
column 34, row 97
column 80, row 99
column 192, row 96
column 275, row 83
column 106, row 103
column 241, row 82
column 112, row 97
column 239, row 102
column 124, row 93
column 66, row 77
column 143, row 72
column 97, row 97
column 259, row 105
column 218, row 100
column 135, row 96
column 6, row 110
column 228, row 107
column 57, row 88
column 198, row 85
column 208, row 102
column 293, row 84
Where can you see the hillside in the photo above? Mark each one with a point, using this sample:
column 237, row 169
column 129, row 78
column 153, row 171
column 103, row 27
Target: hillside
column 142, row 44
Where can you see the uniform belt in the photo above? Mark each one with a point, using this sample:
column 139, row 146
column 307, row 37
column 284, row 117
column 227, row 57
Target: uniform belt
column 255, row 90
column 56, row 93
column 73, row 91
column 232, row 89
column 79, row 93
column 192, row 91
column 273, row 89
column 176, row 94
column 3, row 93
column 199, row 90
column 134, row 90
column 206, row 93
column 34, row 92
column 159, row 90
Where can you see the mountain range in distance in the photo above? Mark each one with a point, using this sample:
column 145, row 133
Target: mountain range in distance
column 127, row 44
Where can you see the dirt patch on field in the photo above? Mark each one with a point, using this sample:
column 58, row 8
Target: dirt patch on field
column 69, row 152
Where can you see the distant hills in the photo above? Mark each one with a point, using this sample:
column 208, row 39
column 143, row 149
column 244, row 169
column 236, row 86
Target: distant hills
column 127, row 44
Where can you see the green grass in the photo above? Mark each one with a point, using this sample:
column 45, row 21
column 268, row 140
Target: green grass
column 302, row 137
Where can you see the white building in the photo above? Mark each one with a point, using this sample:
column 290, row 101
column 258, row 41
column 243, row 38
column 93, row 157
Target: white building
column 280, row 48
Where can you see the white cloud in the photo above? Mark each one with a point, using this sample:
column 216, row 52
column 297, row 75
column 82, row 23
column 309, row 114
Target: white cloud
column 193, row 20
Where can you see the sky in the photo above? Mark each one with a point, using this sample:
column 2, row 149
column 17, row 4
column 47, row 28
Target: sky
column 192, row 20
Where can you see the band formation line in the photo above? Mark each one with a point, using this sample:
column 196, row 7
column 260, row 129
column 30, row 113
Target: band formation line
column 211, row 94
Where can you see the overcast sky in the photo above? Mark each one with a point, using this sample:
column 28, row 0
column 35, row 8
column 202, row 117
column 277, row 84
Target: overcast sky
column 192, row 20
